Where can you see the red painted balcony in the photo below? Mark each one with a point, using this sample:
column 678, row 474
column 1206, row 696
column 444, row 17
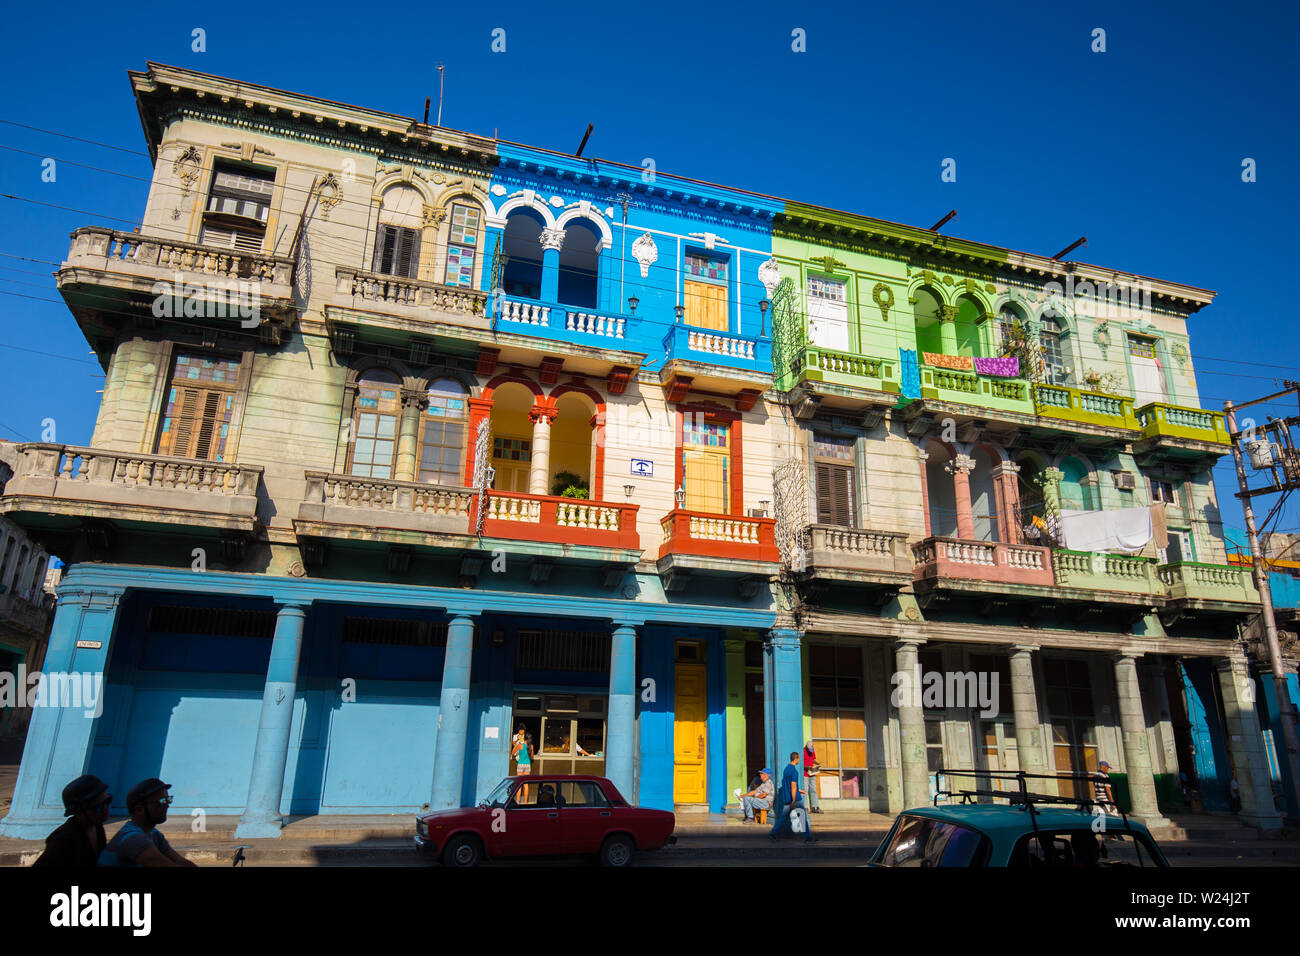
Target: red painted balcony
column 955, row 558
column 546, row 518
column 719, row 536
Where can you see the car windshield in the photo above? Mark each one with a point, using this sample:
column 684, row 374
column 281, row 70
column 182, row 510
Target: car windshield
column 922, row 841
column 1082, row 848
column 500, row 793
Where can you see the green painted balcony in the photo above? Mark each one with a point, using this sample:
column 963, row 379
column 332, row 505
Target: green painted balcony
column 817, row 364
column 984, row 391
column 1080, row 407
column 1192, row 583
column 1159, row 420
column 1108, row 574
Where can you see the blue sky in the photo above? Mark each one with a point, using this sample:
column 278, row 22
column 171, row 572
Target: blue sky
column 1139, row 148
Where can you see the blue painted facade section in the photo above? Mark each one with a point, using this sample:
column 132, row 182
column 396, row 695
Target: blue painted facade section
column 1270, row 720
column 682, row 218
column 655, row 718
column 1208, row 738
column 910, row 372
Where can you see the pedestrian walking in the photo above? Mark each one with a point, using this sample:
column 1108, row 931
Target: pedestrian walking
column 811, row 768
column 792, row 800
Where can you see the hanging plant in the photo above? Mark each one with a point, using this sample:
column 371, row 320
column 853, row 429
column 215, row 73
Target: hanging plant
column 1020, row 343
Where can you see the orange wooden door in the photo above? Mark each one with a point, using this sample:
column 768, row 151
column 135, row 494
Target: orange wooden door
column 706, row 305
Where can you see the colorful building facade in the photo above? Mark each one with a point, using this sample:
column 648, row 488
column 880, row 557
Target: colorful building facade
column 412, row 438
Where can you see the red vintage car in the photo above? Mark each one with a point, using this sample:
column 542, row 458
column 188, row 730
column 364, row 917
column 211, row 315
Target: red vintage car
column 550, row 814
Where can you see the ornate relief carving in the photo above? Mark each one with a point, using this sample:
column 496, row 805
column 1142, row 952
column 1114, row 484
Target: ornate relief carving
column 433, row 216
column 186, row 167
column 646, row 253
column 331, row 194
column 248, row 150
column 1101, row 335
column 770, row 276
column 960, row 463
column 883, row 296
column 1180, row 354
column 552, row 239
column 947, row 313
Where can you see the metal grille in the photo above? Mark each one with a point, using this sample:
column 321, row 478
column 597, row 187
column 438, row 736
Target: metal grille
column 562, row 651
column 228, row 622
column 381, row 630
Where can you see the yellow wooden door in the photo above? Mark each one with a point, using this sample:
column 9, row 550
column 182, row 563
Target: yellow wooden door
column 706, row 480
column 690, row 731
column 706, row 305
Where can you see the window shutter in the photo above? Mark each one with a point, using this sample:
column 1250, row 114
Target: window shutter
column 211, row 402
column 825, row 510
column 183, row 426
column 384, row 240
column 408, row 253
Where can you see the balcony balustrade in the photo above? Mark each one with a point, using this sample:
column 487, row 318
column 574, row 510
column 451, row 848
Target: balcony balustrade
column 567, row 323
column 969, row 388
column 992, row 561
column 548, row 518
column 1191, row 581
column 1159, row 420
column 719, row 536
column 1107, row 572
column 817, row 364
column 388, row 291
column 835, row 551
column 691, row 344
column 345, row 501
column 1083, row 407
column 97, row 483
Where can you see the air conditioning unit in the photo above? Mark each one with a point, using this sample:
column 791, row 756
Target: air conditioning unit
column 757, row 513
column 1124, row 480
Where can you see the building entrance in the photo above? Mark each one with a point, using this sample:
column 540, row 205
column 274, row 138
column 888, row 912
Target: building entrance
column 568, row 732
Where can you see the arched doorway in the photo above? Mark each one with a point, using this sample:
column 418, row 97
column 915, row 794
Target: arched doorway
column 929, row 337
column 572, row 448
column 983, row 495
column 522, row 247
column 940, row 492
column 579, row 265
column 512, row 437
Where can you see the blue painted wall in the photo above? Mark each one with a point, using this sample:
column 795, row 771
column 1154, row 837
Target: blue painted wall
column 1213, row 770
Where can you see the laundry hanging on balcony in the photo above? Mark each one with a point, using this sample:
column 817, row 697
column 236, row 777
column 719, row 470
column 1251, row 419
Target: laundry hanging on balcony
column 958, row 363
column 1005, row 367
column 1159, row 525
column 1123, row 529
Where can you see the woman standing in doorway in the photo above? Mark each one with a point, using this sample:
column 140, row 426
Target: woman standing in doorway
column 522, row 751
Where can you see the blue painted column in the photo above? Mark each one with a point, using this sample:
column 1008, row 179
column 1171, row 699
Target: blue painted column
column 261, row 818
column 60, row 738
column 620, row 732
column 453, row 714
column 552, row 241
column 783, row 676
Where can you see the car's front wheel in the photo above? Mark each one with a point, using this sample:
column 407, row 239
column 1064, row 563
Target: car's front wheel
column 617, row 851
column 462, row 850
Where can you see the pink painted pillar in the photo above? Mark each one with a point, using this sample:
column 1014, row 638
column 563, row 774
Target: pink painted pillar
column 1006, row 487
column 925, row 492
column 960, row 469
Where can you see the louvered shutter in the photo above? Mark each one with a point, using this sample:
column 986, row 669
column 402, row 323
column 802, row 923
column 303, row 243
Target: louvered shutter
column 384, row 241
column 408, row 253
column 211, row 403
column 183, row 427
column 834, row 495
column 824, row 509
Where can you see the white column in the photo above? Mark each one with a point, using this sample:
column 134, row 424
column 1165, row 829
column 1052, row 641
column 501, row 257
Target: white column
column 539, row 475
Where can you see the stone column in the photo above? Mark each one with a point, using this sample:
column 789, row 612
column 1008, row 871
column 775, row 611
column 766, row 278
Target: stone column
column 1164, row 718
column 453, row 714
column 1133, row 731
column 261, row 817
column 539, row 473
column 59, row 738
column 783, row 676
column 620, row 733
column 911, row 723
column 1024, row 704
column 1049, row 479
column 343, row 451
column 414, row 402
column 923, row 457
column 552, row 241
column 1246, row 745
column 948, row 328
column 960, row 468
column 1008, row 495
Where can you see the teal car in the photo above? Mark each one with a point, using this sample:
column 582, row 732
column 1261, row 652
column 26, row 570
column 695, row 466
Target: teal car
column 1029, row 830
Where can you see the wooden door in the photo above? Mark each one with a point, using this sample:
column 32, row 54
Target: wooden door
column 706, row 305
column 706, row 480
column 690, row 728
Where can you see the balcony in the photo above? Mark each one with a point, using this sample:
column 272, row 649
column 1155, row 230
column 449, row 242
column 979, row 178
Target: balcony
column 1172, row 433
column 1107, row 577
column 32, row 615
column 967, row 565
column 59, row 489
column 716, row 362
column 571, row 522
column 568, row 323
column 714, row 544
column 111, row 277
column 856, row 384
column 1195, row 586
column 1076, row 406
column 989, row 392
column 857, row 555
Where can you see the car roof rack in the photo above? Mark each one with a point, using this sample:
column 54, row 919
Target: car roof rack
column 1023, row 796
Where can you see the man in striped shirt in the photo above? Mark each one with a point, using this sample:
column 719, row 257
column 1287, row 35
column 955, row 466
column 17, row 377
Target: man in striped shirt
column 1101, row 791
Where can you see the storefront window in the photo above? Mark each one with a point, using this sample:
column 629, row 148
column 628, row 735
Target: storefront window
column 839, row 720
column 570, row 729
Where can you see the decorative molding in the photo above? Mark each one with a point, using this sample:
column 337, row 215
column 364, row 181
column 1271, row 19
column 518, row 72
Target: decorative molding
column 770, row 276
column 828, row 263
column 330, row 193
column 498, row 189
column 646, row 253
column 960, row 463
column 552, row 239
column 432, row 215
column 186, row 168
column 883, row 296
column 1179, row 351
column 1101, row 335
column 248, row 150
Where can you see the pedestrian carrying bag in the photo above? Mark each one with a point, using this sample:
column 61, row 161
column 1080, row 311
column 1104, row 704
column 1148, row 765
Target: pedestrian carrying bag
column 799, row 820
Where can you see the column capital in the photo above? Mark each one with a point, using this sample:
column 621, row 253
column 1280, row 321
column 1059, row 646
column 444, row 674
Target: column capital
column 552, row 239
column 962, row 463
column 1027, row 648
column 1236, row 665
column 783, row 637
column 621, row 622
column 1049, row 475
column 417, row 398
column 1129, row 654
column 947, row 313
column 909, row 642
column 543, row 414
column 1006, row 468
column 294, row 605
column 461, row 613
column 90, row 598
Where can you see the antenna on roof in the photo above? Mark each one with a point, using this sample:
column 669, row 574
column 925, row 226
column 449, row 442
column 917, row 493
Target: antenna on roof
column 940, row 224
column 441, row 76
column 1081, row 241
column 585, row 137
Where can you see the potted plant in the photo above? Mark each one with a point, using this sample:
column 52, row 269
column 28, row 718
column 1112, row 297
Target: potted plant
column 569, row 485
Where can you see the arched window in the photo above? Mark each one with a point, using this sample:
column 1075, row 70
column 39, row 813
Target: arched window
column 1076, row 490
column 941, row 494
column 929, row 337
column 579, row 264
column 442, row 434
column 462, row 244
column 1007, row 320
column 374, row 425
column 522, row 247
column 1050, row 336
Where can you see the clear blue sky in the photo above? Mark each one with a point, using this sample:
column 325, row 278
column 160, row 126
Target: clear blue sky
column 1139, row 148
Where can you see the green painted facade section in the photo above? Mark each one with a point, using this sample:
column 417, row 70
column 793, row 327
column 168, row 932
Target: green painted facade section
column 1067, row 404
column 735, row 718
column 1106, row 572
column 1173, row 421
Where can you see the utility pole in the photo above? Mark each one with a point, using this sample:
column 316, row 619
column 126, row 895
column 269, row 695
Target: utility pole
column 1285, row 706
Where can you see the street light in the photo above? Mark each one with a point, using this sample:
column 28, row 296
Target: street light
column 679, row 310
column 632, row 303
column 680, row 495
column 627, row 490
column 763, row 306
